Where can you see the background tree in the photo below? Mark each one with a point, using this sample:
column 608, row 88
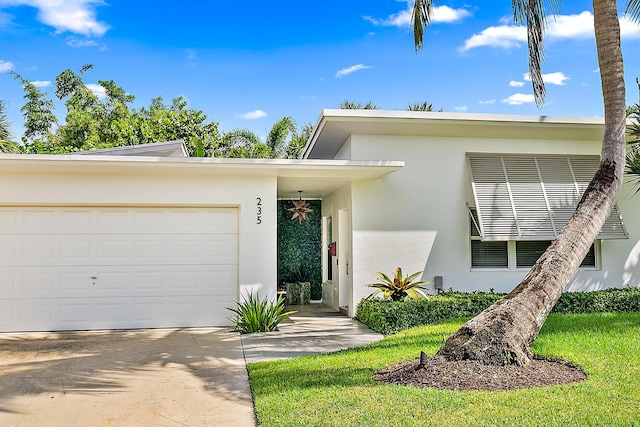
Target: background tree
column 351, row 105
column 37, row 111
column 503, row 333
column 421, row 106
column 282, row 141
column 93, row 122
column 6, row 144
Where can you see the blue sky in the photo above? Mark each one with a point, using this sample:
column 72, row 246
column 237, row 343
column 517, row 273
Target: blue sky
column 247, row 64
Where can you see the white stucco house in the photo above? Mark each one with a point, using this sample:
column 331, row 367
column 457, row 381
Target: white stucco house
column 147, row 237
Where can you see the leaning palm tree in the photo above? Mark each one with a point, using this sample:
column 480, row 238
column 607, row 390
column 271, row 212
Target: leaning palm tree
column 503, row 333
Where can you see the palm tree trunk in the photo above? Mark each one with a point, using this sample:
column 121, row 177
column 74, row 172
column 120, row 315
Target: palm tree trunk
column 503, row 333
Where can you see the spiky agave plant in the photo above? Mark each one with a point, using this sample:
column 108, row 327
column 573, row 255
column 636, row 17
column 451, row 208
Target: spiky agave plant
column 258, row 315
column 398, row 288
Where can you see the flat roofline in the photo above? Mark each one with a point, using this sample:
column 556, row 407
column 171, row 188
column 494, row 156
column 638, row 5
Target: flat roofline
column 335, row 126
column 317, row 178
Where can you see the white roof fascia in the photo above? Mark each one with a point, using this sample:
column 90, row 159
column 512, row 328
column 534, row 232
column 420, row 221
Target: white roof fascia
column 316, row 177
column 336, row 125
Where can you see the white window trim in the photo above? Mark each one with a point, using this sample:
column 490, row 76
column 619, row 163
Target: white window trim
column 511, row 253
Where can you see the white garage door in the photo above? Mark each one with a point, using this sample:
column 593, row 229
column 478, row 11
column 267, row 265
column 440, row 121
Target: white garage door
column 108, row 268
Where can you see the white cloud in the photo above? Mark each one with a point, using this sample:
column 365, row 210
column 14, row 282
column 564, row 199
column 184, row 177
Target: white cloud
column 560, row 27
column 439, row 14
column 557, row 78
column 629, row 29
column 513, row 83
column 74, row 42
column 570, row 26
column 41, row 83
column 351, row 69
column 488, row 102
column 461, row 108
column 74, row 16
column 519, row 99
column 252, row 115
column 5, row 66
column 97, row 90
column 502, row 36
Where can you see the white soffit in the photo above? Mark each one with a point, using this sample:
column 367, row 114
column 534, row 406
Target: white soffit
column 532, row 197
column 335, row 126
column 316, row 178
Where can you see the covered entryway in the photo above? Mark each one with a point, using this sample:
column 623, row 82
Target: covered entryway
column 74, row 268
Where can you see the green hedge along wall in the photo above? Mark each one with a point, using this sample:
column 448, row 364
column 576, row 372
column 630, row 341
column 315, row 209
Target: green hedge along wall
column 300, row 247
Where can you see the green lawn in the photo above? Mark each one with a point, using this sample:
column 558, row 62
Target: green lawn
column 337, row 389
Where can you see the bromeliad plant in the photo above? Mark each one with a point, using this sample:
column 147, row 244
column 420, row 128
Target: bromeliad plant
column 398, row 288
column 258, row 315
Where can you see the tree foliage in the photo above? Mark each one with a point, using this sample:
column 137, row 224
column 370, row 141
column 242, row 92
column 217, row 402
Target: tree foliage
column 94, row 122
column 282, row 141
column 351, row 105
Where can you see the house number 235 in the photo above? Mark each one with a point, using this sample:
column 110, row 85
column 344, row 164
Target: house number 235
column 258, row 210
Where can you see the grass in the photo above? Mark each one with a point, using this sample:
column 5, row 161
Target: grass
column 337, row 389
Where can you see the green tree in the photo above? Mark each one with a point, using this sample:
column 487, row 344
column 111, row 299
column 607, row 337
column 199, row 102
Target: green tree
column 421, row 106
column 351, row 105
column 281, row 141
column 92, row 122
column 6, row 144
column 175, row 121
column 37, row 111
column 504, row 332
column 633, row 147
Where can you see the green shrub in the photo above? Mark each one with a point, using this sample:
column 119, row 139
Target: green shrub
column 299, row 293
column 613, row 300
column 256, row 315
column 389, row 317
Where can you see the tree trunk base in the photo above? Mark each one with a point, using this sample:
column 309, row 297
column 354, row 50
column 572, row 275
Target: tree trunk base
column 491, row 338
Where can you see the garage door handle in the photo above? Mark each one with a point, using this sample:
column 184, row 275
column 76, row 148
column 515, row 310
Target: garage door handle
column 94, row 277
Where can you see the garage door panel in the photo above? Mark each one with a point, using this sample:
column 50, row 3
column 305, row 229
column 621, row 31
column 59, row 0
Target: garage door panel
column 94, row 268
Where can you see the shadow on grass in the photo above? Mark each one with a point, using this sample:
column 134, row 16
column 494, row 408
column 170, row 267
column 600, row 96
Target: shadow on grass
column 355, row 367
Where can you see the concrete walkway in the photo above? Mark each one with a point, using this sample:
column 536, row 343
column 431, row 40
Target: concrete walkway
column 312, row 330
column 154, row 377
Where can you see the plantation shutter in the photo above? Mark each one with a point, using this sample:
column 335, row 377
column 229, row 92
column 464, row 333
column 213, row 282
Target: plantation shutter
column 532, row 197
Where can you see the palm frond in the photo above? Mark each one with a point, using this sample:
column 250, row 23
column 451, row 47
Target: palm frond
column 277, row 136
column 532, row 13
column 421, row 19
column 633, row 10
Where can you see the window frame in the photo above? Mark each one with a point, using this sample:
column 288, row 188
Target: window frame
column 512, row 250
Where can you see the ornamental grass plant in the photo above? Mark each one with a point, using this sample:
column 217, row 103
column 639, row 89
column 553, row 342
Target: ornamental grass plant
column 258, row 315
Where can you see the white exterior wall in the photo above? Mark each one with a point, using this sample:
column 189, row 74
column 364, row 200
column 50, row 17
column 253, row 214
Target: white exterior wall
column 331, row 206
column 416, row 218
column 163, row 186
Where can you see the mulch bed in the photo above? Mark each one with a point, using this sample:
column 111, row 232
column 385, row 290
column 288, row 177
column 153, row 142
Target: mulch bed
column 472, row 375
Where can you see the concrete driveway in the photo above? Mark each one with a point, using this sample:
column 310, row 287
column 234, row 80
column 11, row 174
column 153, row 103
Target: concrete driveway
column 172, row 377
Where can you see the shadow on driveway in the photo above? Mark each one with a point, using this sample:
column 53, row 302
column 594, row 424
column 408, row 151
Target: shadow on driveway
column 147, row 377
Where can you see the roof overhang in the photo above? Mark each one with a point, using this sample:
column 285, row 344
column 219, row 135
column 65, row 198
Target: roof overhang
column 335, row 126
column 154, row 149
column 316, row 178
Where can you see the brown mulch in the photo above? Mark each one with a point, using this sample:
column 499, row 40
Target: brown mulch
column 472, row 375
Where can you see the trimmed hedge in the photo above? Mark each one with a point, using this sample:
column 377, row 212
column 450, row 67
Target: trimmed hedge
column 388, row 317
